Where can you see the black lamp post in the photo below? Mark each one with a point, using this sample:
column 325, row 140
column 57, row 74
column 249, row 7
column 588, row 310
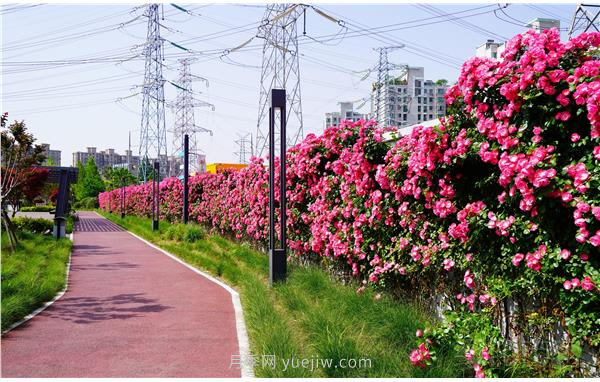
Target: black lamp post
column 186, row 174
column 277, row 255
column 122, row 198
column 155, row 196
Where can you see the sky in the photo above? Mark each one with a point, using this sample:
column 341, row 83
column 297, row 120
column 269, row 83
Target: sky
column 53, row 80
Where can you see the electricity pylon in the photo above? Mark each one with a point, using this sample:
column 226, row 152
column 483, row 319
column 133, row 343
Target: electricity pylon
column 382, row 102
column 585, row 19
column 244, row 152
column 153, row 133
column 184, row 119
column 280, row 70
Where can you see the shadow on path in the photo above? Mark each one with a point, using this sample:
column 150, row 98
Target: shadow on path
column 89, row 310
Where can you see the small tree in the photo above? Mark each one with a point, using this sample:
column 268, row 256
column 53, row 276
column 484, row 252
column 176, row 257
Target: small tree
column 118, row 177
column 89, row 183
column 18, row 155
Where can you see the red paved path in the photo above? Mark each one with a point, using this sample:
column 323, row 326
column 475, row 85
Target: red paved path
column 130, row 311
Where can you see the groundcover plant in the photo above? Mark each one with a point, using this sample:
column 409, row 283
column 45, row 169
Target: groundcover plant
column 495, row 210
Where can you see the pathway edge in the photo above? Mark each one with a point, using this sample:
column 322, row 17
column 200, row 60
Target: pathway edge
column 240, row 324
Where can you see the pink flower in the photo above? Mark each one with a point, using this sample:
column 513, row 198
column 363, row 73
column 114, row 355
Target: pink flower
column 575, row 282
column 584, row 257
column 567, row 285
column 517, row 259
column 419, row 333
column 469, row 280
column 448, row 264
column 470, row 354
column 565, row 254
column 597, row 152
column 587, row 284
column 484, row 354
column 563, row 116
column 479, row 373
column 575, row 137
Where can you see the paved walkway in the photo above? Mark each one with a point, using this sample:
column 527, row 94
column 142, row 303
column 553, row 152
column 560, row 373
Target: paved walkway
column 129, row 311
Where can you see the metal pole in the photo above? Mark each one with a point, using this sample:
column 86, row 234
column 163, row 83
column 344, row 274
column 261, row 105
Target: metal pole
column 122, row 198
column 277, row 254
column 155, row 196
column 186, row 174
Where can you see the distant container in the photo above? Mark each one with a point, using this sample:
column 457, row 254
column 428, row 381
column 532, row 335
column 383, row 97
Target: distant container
column 214, row 168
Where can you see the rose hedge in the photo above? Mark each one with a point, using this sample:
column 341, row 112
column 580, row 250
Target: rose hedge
column 500, row 202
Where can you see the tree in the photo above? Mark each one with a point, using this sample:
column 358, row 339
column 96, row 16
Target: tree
column 19, row 154
column 441, row 82
column 118, row 177
column 89, row 183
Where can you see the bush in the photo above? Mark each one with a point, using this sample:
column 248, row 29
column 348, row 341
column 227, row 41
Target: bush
column 46, row 208
column 33, row 225
column 88, row 203
column 182, row 232
column 175, row 232
column 194, row 233
column 496, row 209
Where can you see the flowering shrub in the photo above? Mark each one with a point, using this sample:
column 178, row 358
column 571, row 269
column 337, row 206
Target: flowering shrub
column 497, row 206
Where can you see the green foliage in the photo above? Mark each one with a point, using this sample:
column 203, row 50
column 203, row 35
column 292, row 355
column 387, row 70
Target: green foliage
column 88, row 203
column 32, row 275
column 46, row 208
column 194, row 233
column 184, row 232
column 308, row 316
column 118, row 177
column 89, row 182
column 33, row 225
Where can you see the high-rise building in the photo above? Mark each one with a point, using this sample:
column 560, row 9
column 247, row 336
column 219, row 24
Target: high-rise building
column 412, row 98
column 108, row 158
column 52, row 156
column 346, row 112
column 494, row 49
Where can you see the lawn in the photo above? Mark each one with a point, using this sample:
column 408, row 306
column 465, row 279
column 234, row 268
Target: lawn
column 31, row 275
column 310, row 315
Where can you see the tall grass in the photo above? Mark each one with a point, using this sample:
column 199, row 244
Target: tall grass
column 31, row 275
column 310, row 315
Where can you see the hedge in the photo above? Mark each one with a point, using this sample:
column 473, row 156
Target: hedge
column 498, row 206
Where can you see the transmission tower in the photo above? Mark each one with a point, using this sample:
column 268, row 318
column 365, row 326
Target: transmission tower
column 585, row 19
column 244, row 152
column 382, row 104
column 153, row 133
column 280, row 70
column 184, row 119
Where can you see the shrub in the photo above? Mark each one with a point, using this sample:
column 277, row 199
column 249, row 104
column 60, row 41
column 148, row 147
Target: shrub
column 194, row 233
column 88, row 203
column 496, row 207
column 33, row 225
column 46, row 208
column 175, row 232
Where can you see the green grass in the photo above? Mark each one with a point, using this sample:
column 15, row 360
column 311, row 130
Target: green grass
column 31, row 275
column 310, row 314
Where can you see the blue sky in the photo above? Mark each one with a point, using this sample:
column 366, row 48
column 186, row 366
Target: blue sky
column 72, row 106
